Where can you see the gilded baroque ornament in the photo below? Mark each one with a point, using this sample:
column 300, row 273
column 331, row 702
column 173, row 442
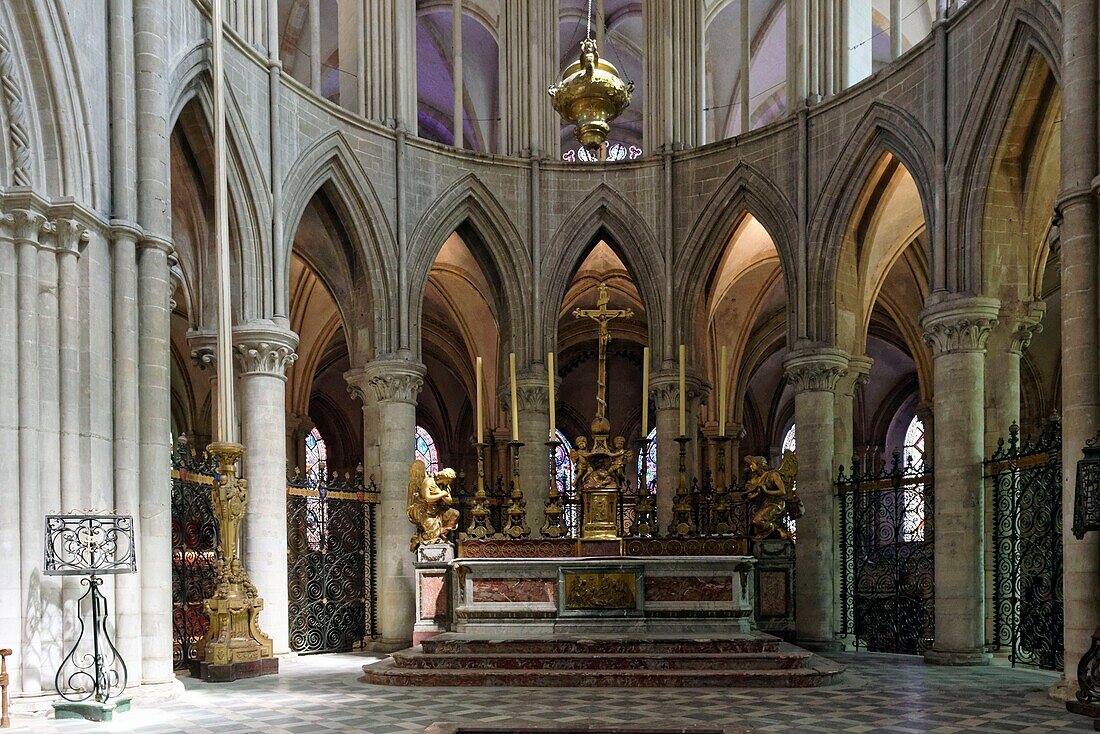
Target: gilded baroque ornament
column 429, row 508
column 772, row 494
column 234, row 635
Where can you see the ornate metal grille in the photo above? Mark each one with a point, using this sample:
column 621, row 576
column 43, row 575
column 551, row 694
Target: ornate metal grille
column 331, row 562
column 1027, row 546
column 887, row 556
column 194, row 548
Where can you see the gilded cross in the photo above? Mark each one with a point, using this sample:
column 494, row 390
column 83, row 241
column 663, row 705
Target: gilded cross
column 602, row 315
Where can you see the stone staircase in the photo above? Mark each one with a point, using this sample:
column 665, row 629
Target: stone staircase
column 753, row 660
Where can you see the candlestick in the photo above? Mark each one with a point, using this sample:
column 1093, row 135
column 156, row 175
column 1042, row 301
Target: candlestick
column 480, row 414
column 515, row 403
column 645, row 392
column 550, row 379
column 722, row 391
column 683, row 392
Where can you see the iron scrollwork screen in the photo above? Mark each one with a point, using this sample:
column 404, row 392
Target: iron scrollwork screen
column 1026, row 477
column 887, row 556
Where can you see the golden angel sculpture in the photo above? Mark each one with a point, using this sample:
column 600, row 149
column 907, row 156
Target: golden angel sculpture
column 773, row 495
column 429, row 505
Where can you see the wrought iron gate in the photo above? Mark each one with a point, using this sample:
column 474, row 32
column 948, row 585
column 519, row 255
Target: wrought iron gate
column 887, row 558
column 1027, row 546
column 194, row 548
column 331, row 562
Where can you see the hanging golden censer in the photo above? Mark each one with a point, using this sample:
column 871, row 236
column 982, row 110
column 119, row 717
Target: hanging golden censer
column 590, row 95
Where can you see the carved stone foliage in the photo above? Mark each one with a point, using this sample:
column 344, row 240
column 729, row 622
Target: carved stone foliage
column 269, row 358
column 665, row 392
column 1026, row 320
column 530, row 397
column 816, row 371
column 386, row 380
column 960, row 325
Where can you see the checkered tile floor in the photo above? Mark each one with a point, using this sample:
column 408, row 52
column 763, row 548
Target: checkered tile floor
column 879, row 693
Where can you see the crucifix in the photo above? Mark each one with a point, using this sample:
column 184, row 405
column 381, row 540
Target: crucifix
column 602, row 315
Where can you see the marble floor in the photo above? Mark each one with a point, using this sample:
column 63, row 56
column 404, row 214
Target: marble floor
column 878, row 693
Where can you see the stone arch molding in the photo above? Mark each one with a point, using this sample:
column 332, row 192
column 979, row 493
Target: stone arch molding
column 745, row 191
column 497, row 246
column 884, row 128
column 251, row 208
column 330, row 161
column 604, row 211
column 1035, row 25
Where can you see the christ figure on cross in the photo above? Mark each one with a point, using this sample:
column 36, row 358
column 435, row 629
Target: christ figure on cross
column 602, row 315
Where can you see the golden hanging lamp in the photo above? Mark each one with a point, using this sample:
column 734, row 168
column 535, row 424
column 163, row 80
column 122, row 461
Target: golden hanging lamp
column 590, row 94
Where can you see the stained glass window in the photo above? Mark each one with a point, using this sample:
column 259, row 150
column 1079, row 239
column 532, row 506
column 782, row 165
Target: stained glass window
column 316, row 458
column 789, row 440
column 425, row 450
column 563, row 477
column 650, row 461
column 316, row 473
column 912, row 525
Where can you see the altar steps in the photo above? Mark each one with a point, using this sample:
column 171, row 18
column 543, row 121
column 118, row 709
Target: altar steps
column 751, row 661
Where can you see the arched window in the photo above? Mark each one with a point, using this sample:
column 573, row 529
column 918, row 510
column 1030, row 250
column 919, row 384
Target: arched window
column 788, row 440
column 912, row 524
column 316, row 458
column 426, row 451
column 789, row 444
column 650, row 460
column 563, row 477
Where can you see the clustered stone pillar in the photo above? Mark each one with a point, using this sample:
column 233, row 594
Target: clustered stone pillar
column 957, row 328
column 814, row 374
column 533, row 395
column 389, row 390
column 263, row 352
column 1079, row 233
column 664, row 392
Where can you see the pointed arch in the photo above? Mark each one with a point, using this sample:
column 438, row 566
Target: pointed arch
column 884, row 128
column 250, row 207
column 604, row 214
column 970, row 168
column 469, row 208
column 330, row 165
column 745, row 192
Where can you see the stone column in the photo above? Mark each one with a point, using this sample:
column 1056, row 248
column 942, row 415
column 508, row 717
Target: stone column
column 814, row 375
column 1004, row 350
column 392, row 387
column 957, row 328
column 1078, row 232
column 529, row 64
column 263, row 352
column 27, row 227
column 674, row 69
column 859, row 369
column 297, row 428
column 664, row 392
column 11, row 586
column 533, row 395
column 155, row 508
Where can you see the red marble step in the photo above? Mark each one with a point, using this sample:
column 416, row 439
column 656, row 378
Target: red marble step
column 416, row 658
column 450, row 643
column 815, row 672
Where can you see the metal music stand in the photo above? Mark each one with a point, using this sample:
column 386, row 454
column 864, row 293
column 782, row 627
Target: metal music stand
column 91, row 683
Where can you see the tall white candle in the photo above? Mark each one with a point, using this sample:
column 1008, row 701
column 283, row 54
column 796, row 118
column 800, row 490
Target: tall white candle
column 550, row 379
column 515, row 403
column 722, row 366
column 480, row 409
column 683, row 391
column 645, row 392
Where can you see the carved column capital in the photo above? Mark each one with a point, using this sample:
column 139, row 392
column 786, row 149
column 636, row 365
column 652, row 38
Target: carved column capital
column 532, row 394
column 27, row 225
column 264, row 349
column 70, row 235
column 387, row 380
column 203, row 348
column 816, row 369
column 1025, row 318
column 959, row 324
column 664, row 390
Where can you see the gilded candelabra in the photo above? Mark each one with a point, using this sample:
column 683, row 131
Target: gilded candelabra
column 234, row 636
column 683, row 524
column 481, row 524
column 722, row 521
column 555, row 526
column 643, row 525
column 516, row 526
